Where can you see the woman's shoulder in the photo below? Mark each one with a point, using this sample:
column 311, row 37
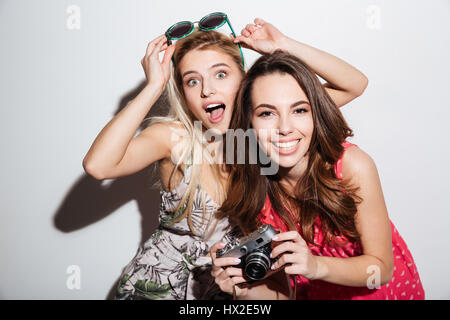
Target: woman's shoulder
column 166, row 126
column 168, row 132
column 357, row 163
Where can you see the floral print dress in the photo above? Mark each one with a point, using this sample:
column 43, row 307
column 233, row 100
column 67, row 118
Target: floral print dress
column 173, row 264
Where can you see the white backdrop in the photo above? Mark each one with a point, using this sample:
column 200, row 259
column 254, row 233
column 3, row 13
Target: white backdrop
column 64, row 75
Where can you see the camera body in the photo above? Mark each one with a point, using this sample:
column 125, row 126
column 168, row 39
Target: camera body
column 253, row 250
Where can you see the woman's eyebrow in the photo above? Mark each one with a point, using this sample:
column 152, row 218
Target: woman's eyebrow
column 299, row 103
column 265, row 105
column 188, row 72
column 295, row 104
column 222, row 64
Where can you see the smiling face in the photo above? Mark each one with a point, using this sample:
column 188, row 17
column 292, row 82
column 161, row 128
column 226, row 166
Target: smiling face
column 282, row 119
column 210, row 81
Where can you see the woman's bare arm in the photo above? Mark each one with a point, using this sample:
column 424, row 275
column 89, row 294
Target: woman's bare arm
column 372, row 223
column 344, row 82
column 115, row 152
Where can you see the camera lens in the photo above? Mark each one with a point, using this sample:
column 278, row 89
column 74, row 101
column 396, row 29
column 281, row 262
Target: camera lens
column 255, row 271
column 256, row 265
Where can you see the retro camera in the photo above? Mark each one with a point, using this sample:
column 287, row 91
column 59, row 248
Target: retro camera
column 253, row 250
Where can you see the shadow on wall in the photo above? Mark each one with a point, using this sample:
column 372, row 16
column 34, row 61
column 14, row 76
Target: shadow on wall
column 88, row 201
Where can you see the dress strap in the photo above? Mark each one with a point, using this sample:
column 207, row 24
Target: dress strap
column 338, row 165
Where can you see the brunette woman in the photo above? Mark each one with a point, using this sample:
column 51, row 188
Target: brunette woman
column 336, row 240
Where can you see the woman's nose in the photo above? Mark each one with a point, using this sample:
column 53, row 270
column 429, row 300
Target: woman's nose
column 207, row 90
column 284, row 125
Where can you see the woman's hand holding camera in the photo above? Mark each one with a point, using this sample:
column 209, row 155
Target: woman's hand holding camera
column 294, row 255
column 225, row 275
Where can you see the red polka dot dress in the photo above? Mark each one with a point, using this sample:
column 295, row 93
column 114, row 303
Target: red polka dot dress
column 404, row 285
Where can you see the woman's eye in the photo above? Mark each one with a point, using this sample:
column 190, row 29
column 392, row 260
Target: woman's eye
column 192, row 82
column 265, row 114
column 300, row 110
column 221, row 74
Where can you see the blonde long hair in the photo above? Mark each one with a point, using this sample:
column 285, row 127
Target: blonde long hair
column 193, row 143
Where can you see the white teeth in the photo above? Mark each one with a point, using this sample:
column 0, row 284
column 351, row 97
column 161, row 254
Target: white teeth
column 286, row 144
column 213, row 106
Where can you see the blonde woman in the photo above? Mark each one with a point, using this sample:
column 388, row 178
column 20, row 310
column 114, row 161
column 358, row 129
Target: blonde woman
column 202, row 83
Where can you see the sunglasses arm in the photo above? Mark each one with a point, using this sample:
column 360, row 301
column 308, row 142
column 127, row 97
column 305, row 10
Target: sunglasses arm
column 239, row 45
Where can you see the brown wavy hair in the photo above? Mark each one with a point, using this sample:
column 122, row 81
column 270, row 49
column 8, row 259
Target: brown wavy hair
column 319, row 193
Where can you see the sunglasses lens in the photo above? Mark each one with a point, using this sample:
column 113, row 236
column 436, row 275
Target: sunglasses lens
column 180, row 30
column 212, row 21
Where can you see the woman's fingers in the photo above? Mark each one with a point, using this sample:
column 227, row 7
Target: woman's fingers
column 163, row 47
column 259, row 21
column 157, row 71
column 237, row 39
column 250, row 27
column 151, row 45
column 290, row 235
column 166, row 60
column 154, row 45
column 237, row 280
column 230, row 272
column 245, row 33
column 216, row 246
column 149, row 49
column 284, row 259
column 220, row 263
column 228, row 278
column 290, row 245
column 245, row 42
column 168, row 54
column 224, row 262
column 287, row 246
column 157, row 49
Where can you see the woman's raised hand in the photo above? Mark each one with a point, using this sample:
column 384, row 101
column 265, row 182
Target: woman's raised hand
column 157, row 72
column 260, row 36
column 225, row 275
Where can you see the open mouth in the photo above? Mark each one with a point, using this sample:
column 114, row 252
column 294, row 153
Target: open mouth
column 286, row 148
column 215, row 111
